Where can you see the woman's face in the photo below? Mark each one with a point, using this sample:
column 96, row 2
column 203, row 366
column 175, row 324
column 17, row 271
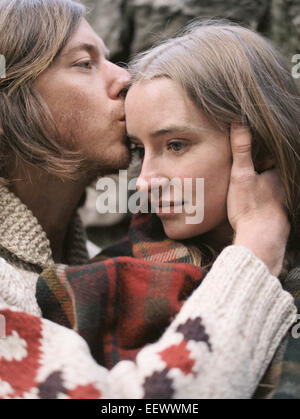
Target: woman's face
column 175, row 140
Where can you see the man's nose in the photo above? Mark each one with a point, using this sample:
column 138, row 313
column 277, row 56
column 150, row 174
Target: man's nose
column 120, row 79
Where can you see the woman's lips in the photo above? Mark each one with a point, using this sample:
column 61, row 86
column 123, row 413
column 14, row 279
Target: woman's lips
column 160, row 208
column 169, row 204
column 168, row 208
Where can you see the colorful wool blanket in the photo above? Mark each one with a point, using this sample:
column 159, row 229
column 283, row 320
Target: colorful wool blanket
column 127, row 297
column 118, row 313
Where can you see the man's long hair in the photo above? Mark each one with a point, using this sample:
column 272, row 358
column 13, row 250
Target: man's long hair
column 32, row 34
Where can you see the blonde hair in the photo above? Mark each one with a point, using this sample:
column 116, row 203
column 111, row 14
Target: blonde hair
column 32, row 34
column 232, row 74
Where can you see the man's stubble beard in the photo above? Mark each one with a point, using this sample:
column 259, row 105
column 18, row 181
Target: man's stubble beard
column 108, row 165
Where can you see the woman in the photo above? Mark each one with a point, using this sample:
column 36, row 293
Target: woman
column 180, row 363
column 192, row 89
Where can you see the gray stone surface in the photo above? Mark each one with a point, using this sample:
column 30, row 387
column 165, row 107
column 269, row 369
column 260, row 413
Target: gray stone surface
column 164, row 17
column 129, row 26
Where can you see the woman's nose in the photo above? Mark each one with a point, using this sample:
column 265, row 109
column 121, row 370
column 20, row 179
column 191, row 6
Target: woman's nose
column 150, row 179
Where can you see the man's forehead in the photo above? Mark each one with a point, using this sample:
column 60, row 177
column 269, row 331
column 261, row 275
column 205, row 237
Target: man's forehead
column 92, row 47
column 85, row 38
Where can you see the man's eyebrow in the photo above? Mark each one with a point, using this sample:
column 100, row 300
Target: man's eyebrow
column 91, row 48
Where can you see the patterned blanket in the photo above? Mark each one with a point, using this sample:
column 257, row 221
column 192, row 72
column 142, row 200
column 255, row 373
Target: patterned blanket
column 120, row 304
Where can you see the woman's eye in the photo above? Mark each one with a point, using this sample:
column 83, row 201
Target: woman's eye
column 176, row 146
column 137, row 151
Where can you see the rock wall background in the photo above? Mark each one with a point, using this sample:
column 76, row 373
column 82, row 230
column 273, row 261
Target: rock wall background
column 129, row 26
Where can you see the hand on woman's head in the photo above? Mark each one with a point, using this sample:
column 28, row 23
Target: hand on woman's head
column 256, row 204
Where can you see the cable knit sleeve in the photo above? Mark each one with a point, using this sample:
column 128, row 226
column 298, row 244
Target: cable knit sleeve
column 218, row 346
column 17, row 288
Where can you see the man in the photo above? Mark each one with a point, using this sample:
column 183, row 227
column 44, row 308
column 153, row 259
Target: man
column 62, row 124
column 67, row 125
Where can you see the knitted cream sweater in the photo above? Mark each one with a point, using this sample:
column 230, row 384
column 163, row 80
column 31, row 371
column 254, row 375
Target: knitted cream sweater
column 24, row 245
column 218, row 346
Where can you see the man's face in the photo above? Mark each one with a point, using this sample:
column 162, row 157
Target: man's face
column 82, row 89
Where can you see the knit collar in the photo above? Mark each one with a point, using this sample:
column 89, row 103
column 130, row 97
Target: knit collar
column 23, row 236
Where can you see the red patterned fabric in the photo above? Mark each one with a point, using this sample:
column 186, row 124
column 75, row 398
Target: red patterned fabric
column 121, row 304
column 23, row 336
